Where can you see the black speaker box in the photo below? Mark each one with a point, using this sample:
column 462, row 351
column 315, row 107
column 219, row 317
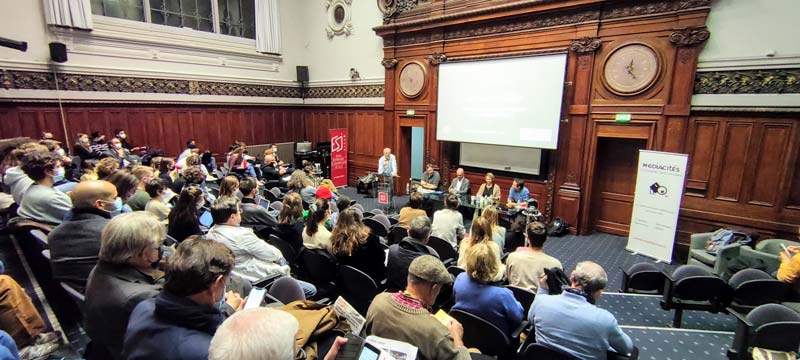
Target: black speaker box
column 302, row 74
column 58, row 52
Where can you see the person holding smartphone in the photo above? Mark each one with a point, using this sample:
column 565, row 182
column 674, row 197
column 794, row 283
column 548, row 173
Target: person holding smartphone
column 789, row 271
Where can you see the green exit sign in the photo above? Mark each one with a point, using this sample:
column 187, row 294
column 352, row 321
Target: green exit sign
column 622, row 118
column 410, row 112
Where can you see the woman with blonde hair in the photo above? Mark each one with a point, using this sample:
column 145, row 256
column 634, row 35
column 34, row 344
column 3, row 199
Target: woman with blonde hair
column 498, row 232
column 354, row 245
column 489, row 189
column 476, row 294
column 301, row 184
column 229, row 186
column 480, row 233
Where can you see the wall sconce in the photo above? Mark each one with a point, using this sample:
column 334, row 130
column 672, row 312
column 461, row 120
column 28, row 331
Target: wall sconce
column 354, row 75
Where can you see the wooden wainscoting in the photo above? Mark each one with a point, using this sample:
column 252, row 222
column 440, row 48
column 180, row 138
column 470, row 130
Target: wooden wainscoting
column 743, row 172
column 161, row 127
column 365, row 131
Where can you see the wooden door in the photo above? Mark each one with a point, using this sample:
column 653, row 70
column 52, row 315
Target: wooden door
column 614, row 184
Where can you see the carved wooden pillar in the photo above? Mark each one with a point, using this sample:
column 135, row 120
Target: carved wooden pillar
column 677, row 111
column 571, row 147
column 436, row 155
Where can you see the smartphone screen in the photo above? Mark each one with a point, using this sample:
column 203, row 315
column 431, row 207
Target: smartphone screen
column 369, row 352
column 255, row 298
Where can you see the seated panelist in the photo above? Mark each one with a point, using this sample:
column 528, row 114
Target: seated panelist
column 519, row 195
column 430, row 179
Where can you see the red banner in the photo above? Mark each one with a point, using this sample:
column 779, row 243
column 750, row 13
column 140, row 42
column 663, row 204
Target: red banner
column 339, row 157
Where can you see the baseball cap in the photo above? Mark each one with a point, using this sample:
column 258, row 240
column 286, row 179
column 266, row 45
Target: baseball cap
column 323, row 193
column 429, row 268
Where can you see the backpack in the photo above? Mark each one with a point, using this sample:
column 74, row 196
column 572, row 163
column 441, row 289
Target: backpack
column 557, row 227
column 723, row 237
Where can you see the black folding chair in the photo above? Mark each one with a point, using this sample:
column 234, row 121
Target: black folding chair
column 486, row 337
column 285, row 248
column 691, row 287
column 357, row 288
column 524, row 296
column 443, row 248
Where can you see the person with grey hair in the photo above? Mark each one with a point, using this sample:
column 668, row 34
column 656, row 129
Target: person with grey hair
column 260, row 333
column 404, row 315
column 572, row 323
column 255, row 259
column 404, row 252
column 179, row 323
column 123, row 277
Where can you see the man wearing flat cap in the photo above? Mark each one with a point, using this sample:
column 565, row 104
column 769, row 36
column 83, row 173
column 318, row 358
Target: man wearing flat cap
column 404, row 315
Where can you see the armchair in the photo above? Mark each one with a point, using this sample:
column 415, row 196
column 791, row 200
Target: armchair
column 716, row 264
column 768, row 251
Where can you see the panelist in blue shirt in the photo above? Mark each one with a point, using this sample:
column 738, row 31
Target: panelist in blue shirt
column 519, row 194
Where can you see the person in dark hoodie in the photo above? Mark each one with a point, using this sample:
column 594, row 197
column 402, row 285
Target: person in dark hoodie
column 179, row 323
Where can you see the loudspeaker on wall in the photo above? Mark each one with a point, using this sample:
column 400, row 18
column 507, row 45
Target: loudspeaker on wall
column 58, row 52
column 302, row 74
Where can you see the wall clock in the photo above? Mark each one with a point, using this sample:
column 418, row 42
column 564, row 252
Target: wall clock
column 631, row 69
column 412, row 79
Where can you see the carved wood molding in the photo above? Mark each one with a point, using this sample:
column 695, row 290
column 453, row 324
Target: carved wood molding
column 689, row 36
column 585, row 45
column 436, row 58
column 389, row 63
column 31, row 80
column 767, row 81
column 525, row 22
column 506, row 55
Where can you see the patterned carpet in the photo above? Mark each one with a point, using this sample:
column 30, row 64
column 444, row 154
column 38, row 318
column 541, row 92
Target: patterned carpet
column 644, row 310
column 668, row 344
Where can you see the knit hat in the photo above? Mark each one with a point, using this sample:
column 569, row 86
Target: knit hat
column 323, row 193
column 429, row 268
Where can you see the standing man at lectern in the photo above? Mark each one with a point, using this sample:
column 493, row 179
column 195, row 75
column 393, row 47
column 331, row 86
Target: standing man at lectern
column 387, row 166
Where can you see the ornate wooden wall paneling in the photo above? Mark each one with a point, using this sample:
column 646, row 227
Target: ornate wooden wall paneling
column 743, row 171
column 161, row 127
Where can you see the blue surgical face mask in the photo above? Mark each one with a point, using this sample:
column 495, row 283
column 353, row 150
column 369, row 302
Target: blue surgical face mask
column 222, row 301
column 59, row 175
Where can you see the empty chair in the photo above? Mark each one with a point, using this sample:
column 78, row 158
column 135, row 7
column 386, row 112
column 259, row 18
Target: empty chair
column 524, row 296
column 769, row 326
column 286, row 290
column 484, row 336
column 753, row 287
column 276, row 205
column 285, row 248
column 269, row 195
column 643, row 278
column 276, row 192
column 357, row 288
column 692, row 287
column 393, row 221
column 359, row 207
column 384, row 220
column 376, row 211
column 443, row 248
column 320, row 268
column 376, row 226
column 396, row 233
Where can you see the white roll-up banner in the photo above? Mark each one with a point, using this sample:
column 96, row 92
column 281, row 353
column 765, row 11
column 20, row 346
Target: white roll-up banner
column 657, row 203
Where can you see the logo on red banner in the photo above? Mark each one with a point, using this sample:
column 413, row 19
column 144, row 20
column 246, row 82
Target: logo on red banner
column 383, row 197
column 339, row 157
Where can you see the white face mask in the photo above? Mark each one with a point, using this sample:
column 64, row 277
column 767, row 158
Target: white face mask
column 60, row 152
column 122, row 136
column 117, row 146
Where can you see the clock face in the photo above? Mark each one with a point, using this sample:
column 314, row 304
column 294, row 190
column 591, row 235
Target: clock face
column 631, row 69
column 412, row 79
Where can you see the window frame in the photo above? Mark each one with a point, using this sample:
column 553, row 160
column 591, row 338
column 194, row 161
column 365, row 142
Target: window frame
column 215, row 19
